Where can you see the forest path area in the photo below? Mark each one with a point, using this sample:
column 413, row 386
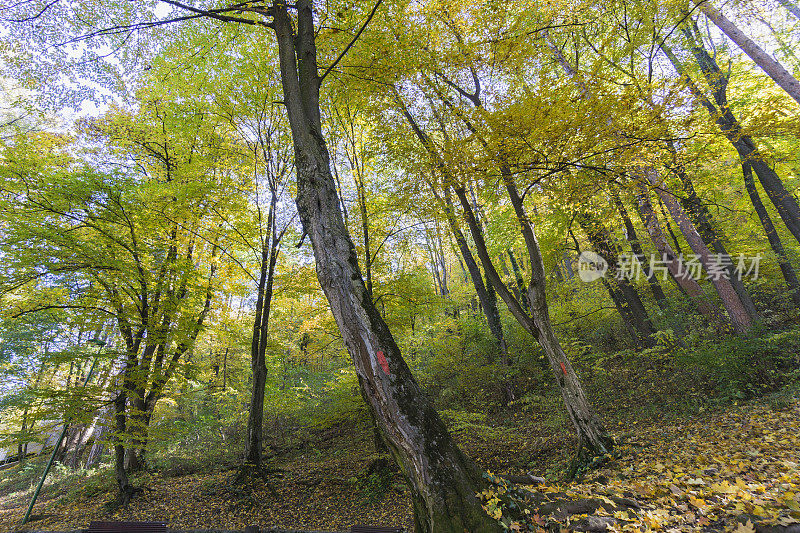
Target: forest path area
column 697, row 473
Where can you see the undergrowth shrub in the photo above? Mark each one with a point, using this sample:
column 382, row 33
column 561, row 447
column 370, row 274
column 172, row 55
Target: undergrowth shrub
column 746, row 367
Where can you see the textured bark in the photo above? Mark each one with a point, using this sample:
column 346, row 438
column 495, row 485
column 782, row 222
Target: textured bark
column 739, row 316
column 671, row 260
column 772, row 235
column 766, row 62
column 443, row 482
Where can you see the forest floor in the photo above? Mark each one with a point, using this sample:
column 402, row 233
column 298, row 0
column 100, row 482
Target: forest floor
column 708, row 471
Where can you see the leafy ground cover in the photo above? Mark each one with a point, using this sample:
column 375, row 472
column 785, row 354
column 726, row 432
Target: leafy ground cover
column 732, row 469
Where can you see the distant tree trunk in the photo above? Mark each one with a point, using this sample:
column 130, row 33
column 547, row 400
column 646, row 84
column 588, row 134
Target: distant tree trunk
column 126, row 491
column 689, row 286
column 623, row 293
column 100, row 434
column 766, row 62
column 486, row 295
column 507, row 276
column 519, row 279
column 638, row 251
column 443, row 482
column 739, row 316
column 701, row 218
column 772, row 235
column 362, row 204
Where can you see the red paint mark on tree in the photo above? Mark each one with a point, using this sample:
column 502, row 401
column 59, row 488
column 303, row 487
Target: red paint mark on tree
column 384, row 363
column 563, row 368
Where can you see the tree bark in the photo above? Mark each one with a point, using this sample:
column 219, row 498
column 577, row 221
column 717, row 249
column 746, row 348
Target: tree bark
column 789, row 275
column 443, row 482
column 671, row 260
column 593, row 437
column 739, row 316
column 773, row 68
column 625, row 296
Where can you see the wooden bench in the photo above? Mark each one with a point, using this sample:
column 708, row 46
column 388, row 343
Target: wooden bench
column 127, row 527
column 376, row 529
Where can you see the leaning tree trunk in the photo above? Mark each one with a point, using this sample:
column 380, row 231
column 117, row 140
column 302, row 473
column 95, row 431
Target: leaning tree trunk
column 772, row 235
column 739, row 316
column 443, row 481
column 782, row 199
column 689, row 286
column 594, row 438
column 766, row 62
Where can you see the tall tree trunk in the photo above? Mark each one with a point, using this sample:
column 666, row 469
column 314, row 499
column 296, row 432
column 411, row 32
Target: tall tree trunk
column 593, row 437
column 362, row 204
column 625, row 296
column 766, row 62
column 784, row 202
column 253, row 450
column 443, row 481
column 689, row 286
column 739, row 316
column 772, row 235
column 638, row 252
column 125, row 489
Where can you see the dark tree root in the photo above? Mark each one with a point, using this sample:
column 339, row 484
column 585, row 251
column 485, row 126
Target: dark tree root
column 551, row 511
column 124, row 497
column 585, row 460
